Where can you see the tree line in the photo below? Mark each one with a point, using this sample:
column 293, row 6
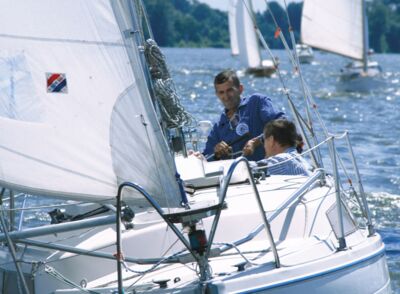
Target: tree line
column 189, row 23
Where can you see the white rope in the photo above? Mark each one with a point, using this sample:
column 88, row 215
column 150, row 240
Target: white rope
column 172, row 111
column 57, row 275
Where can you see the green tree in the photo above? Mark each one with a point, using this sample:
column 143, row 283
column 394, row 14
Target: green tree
column 378, row 26
column 195, row 24
column 161, row 22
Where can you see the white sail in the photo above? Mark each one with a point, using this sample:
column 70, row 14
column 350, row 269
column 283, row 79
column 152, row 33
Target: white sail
column 75, row 115
column 334, row 25
column 232, row 27
column 249, row 50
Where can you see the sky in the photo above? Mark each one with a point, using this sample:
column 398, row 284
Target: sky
column 258, row 5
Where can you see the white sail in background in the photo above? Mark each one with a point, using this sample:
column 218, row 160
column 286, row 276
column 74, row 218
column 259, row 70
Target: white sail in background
column 75, row 115
column 232, row 27
column 334, row 25
column 249, row 50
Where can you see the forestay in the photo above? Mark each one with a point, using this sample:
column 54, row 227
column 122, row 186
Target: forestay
column 76, row 118
column 334, row 25
column 249, row 50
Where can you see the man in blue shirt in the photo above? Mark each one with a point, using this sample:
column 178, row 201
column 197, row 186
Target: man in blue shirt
column 241, row 124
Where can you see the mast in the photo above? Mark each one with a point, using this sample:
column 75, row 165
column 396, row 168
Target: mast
column 365, row 43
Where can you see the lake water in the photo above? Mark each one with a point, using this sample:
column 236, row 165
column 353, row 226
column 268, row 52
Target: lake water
column 373, row 119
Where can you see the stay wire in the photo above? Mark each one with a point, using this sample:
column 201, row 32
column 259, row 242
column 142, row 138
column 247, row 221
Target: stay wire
column 298, row 117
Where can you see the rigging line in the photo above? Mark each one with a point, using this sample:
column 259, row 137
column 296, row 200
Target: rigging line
column 294, row 59
column 286, row 92
column 162, row 266
column 146, row 19
column 306, row 92
column 260, row 37
column 266, row 47
column 281, row 36
column 139, row 13
column 107, row 200
column 58, row 40
column 238, row 251
column 51, row 271
column 46, row 206
column 303, row 153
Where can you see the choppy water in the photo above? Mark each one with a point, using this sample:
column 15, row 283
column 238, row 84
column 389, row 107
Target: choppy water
column 373, row 120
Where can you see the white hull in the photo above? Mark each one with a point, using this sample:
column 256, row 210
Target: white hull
column 306, row 244
column 354, row 79
column 304, row 53
column 306, row 59
column 262, row 71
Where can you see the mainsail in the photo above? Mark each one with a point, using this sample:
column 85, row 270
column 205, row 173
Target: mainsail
column 335, row 26
column 76, row 118
column 249, row 50
column 232, row 27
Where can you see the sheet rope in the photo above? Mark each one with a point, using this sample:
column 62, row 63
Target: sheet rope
column 172, row 111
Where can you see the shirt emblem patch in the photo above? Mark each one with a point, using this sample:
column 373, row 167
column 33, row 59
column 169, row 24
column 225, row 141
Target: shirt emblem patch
column 56, row 83
column 242, row 129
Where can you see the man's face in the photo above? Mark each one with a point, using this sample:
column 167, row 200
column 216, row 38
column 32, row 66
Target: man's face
column 229, row 94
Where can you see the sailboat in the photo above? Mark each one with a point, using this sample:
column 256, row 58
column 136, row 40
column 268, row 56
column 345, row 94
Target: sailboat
column 341, row 27
column 82, row 122
column 244, row 40
column 304, row 53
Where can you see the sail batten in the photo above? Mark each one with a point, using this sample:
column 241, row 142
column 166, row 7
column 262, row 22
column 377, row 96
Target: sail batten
column 72, row 89
column 334, row 25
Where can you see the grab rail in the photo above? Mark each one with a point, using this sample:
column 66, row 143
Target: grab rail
column 296, row 195
column 317, row 175
column 225, row 184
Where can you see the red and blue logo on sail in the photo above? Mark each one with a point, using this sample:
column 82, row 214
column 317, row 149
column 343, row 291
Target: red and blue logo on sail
column 56, row 83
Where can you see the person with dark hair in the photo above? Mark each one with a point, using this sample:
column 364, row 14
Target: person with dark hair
column 281, row 143
column 241, row 124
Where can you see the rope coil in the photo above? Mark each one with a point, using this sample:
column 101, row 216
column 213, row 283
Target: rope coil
column 172, row 111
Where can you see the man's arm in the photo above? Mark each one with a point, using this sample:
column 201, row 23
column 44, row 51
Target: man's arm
column 252, row 144
column 267, row 110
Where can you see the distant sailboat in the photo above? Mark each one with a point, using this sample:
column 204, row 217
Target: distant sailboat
column 340, row 26
column 243, row 37
column 304, row 53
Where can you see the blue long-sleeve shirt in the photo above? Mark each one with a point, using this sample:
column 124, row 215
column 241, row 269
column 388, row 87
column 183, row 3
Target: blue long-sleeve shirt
column 252, row 114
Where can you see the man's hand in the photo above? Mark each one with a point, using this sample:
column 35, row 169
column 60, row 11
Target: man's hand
column 251, row 146
column 222, row 149
column 197, row 154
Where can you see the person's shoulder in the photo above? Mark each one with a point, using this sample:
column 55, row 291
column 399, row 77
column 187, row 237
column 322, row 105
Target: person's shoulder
column 280, row 157
column 257, row 96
